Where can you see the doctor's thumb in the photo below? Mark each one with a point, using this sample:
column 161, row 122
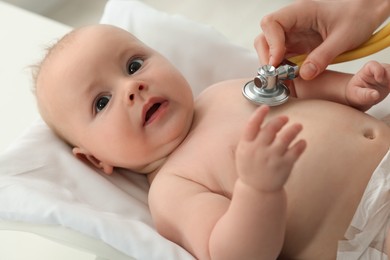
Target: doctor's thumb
column 309, row 70
column 314, row 64
column 319, row 59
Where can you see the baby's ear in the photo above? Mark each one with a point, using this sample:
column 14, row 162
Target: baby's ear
column 92, row 160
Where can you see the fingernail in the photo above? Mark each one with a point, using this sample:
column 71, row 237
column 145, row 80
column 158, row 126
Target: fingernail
column 271, row 60
column 375, row 95
column 308, row 70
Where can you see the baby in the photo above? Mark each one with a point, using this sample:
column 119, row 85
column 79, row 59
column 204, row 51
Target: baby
column 228, row 179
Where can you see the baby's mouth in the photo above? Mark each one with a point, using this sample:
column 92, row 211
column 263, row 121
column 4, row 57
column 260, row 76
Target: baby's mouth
column 153, row 109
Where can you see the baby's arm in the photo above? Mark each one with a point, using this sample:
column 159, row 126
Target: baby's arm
column 254, row 225
column 366, row 88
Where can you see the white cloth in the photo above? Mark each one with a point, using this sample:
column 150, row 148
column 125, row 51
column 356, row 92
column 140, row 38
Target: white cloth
column 366, row 235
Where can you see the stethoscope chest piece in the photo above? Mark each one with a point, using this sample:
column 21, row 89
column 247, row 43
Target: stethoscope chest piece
column 271, row 97
column 267, row 87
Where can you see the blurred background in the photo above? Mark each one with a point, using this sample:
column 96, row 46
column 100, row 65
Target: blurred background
column 227, row 19
column 70, row 12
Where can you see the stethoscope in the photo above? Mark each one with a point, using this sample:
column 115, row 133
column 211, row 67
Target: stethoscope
column 268, row 86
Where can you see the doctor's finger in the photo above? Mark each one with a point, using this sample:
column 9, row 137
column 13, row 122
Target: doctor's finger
column 262, row 49
column 274, row 35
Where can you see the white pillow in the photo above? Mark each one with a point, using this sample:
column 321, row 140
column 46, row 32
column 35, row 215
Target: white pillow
column 42, row 182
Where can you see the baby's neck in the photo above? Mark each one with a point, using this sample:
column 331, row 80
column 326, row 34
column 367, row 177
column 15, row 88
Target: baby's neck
column 154, row 168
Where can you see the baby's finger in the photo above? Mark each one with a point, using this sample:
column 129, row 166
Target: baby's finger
column 286, row 137
column 379, row 71
column 269, row 131
column 295, row 150
column 365, row 96
column 253, row 126
column 373, row 72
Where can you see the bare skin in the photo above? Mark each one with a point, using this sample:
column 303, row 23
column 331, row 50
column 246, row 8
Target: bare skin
column 228, row 180
column 344, row 147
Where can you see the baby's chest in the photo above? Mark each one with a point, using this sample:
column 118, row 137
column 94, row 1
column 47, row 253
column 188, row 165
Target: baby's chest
column 209, row 154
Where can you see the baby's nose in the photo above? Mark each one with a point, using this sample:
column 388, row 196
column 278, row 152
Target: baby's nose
column 132, row 95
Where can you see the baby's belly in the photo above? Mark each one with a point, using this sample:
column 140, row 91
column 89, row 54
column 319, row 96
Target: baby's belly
column 343, row 149
column 344, row 146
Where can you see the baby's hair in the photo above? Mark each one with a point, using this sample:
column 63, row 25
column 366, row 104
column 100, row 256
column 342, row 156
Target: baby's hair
column 36, row 68
column 36, row 71
column 49, row 50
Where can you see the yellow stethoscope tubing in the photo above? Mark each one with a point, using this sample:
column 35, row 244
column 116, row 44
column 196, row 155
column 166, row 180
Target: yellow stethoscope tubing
column 377, row 42
column 379, row 35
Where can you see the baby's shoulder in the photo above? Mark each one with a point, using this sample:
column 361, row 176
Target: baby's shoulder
column 220, row 92
column 226, row 85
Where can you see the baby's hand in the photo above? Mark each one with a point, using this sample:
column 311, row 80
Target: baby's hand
column 265, row 154
column 369, row 86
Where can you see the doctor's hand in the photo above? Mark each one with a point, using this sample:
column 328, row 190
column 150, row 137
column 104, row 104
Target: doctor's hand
column 322, row 29
column 369, row 86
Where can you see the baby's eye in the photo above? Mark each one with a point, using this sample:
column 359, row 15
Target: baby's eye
column 101, row 102
column 134, row 65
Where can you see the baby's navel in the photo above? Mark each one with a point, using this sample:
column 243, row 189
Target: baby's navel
column 369, row 133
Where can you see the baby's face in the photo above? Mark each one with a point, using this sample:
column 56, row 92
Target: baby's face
column 119, row 102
